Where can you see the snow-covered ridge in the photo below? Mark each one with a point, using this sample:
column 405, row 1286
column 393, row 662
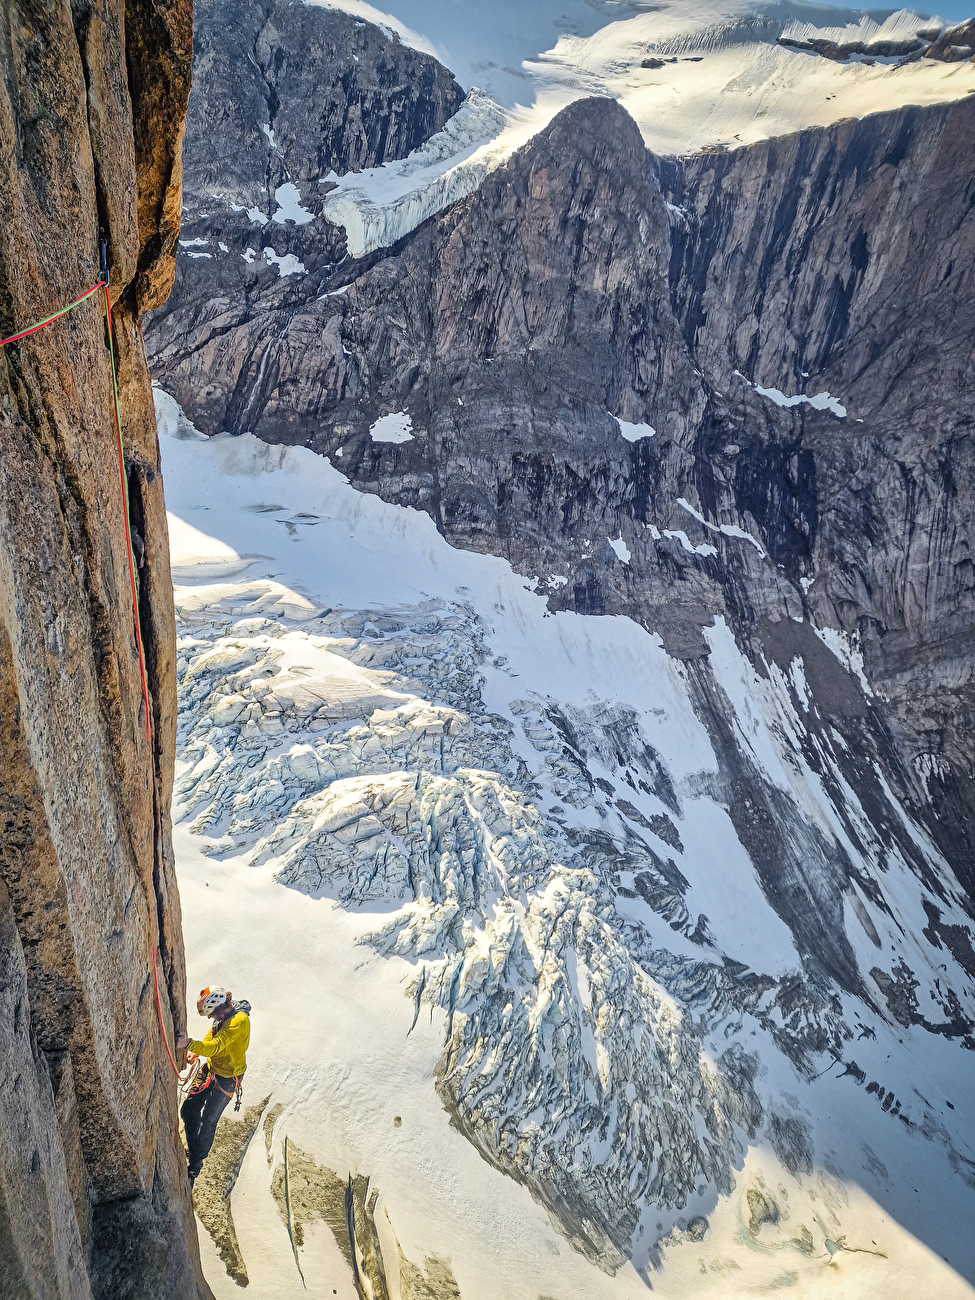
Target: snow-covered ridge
column 705, row 75
column 389, row 24
column 899, row 28
column 506, row 872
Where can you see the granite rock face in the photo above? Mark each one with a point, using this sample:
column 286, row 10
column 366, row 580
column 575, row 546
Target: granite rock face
column 860, row 283
column 93, row 1195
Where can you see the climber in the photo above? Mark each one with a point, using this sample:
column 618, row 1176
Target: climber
column 224, row 1047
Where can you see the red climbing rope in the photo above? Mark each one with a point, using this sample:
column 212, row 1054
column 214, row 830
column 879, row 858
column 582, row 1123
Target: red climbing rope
column 102, row 283
column 41, row 323
column 162, row 1026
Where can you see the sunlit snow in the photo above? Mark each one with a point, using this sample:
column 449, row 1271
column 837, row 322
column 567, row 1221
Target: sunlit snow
column 289, row 206
column 374, row 782
column 396, row 427
column 729, row 530
column 819, row 401
column 620, row 547
column 719, row 79
column 287, row 265
column 679, row 535
column 634, row 432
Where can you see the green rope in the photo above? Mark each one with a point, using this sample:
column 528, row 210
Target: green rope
column 47, row 320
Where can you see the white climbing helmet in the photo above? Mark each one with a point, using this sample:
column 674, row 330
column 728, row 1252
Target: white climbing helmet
column 211, row 1000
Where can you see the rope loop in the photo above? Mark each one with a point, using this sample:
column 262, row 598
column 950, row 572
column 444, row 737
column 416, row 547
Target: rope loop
column 162, row 1026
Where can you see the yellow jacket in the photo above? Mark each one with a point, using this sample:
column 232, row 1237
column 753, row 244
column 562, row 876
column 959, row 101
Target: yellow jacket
column 226, row 1047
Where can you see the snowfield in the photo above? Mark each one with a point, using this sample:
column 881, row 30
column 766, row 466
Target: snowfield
column 508, row 959
column 706, row 75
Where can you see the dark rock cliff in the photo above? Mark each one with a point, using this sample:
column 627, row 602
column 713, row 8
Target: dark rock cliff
column 843, row 260
column 93, row 1193
column 291, row 94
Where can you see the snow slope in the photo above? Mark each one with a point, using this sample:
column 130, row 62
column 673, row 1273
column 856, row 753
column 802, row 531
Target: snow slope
column 719, row 79
column 508, row 959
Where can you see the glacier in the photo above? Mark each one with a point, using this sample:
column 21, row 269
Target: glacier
column 504, row 916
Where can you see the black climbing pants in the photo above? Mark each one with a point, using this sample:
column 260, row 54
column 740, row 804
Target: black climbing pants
column 200, row 1112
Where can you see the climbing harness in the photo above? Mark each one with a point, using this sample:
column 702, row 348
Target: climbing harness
column 203, row 1080
column 102, row 283
column 188, row 1079
column 206, row 1078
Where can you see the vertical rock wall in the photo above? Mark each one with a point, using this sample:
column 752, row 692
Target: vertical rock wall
column 93, row 1196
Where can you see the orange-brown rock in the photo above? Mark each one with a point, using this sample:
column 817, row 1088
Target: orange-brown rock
column 93, row 1193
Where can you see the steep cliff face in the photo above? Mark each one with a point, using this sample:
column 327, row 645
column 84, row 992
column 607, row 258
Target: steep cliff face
column 287, row 96
column 843, row 261
column 93, row 1196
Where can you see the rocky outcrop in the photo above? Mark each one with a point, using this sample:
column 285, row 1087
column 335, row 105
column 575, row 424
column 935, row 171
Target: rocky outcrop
column 901, row 36
column 93, row 1195
column 286, row 96
column 955, row 44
